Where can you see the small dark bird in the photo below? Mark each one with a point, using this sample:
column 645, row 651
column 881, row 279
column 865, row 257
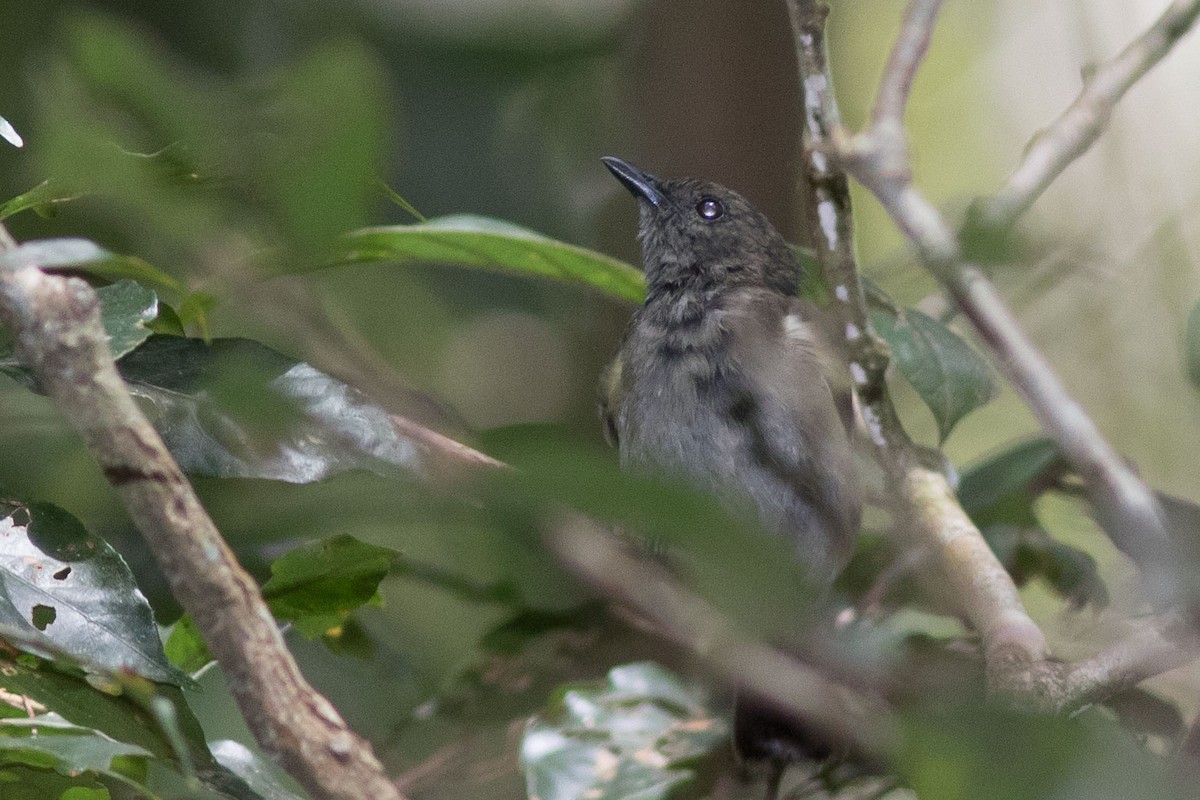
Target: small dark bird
column 725, row 382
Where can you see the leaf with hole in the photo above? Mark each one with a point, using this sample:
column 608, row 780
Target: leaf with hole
column 71, row 590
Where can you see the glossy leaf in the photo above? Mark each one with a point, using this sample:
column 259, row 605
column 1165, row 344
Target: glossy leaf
column 317, row 586
column 74, row 591
column 639, row 735
column 493, row 244
column 253, row 770
column 951, row 378
column 236, row 408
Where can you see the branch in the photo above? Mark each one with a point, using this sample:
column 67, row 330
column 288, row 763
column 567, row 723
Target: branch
column 1153, row 648
column 1080, row 125
column 925, row 501
column 1125, row 507
column 59, row 336
column 845, row 714
column 1015, row 648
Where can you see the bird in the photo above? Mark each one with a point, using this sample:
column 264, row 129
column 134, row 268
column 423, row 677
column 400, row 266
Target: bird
column 727, row 382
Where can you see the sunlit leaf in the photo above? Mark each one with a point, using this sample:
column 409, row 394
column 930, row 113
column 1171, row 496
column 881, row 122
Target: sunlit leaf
column 185, row 647
column 947, row 373
column 473, row 241
column 90, row 605
column 318, row 585
column 639, row 735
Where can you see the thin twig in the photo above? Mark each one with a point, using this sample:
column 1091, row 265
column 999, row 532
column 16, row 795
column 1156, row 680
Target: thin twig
column 59, row 335
column 1080, row 125
column 835, row 709
column 907, row 55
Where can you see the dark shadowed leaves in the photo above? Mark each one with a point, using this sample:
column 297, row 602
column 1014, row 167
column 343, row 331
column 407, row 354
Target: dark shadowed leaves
column 1000, row 493
column 90, row 607
column 1030, row 552
column 474, row 241
column 640, row 735
column 1015, row 471
column 947, row 373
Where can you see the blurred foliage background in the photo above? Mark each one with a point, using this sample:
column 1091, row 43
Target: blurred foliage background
column 264, row 125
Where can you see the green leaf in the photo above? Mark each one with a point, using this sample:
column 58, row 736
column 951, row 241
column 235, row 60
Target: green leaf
column 1192, row 346
column 185, row 647
column 474, row 241
column 947, row 373
column 126, row 308
column 41, row 198
column 318, row 585
column 640, row 735
column 70, row 695
column 1013, row 470
column 236, row 408
column 1029, row 552
column 49, row 742
column 96, row 614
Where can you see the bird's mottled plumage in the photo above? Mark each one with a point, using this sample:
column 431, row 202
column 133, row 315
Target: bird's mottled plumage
column 724, row 379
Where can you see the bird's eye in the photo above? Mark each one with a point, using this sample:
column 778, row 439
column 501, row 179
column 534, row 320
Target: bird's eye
column 710, row 208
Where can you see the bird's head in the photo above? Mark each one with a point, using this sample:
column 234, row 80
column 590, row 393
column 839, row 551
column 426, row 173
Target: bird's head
column 693, row 230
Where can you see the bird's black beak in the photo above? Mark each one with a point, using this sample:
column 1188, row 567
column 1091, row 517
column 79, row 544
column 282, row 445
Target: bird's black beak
column 642, row 185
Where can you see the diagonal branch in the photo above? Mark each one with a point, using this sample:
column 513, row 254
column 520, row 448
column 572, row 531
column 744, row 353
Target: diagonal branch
column 59, row 335
column 849, row 716
column 1080, row 125
column 1015, row 648
column 1125, row 507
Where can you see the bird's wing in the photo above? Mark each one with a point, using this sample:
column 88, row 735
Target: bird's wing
column 802, row 405
column 610, row 392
